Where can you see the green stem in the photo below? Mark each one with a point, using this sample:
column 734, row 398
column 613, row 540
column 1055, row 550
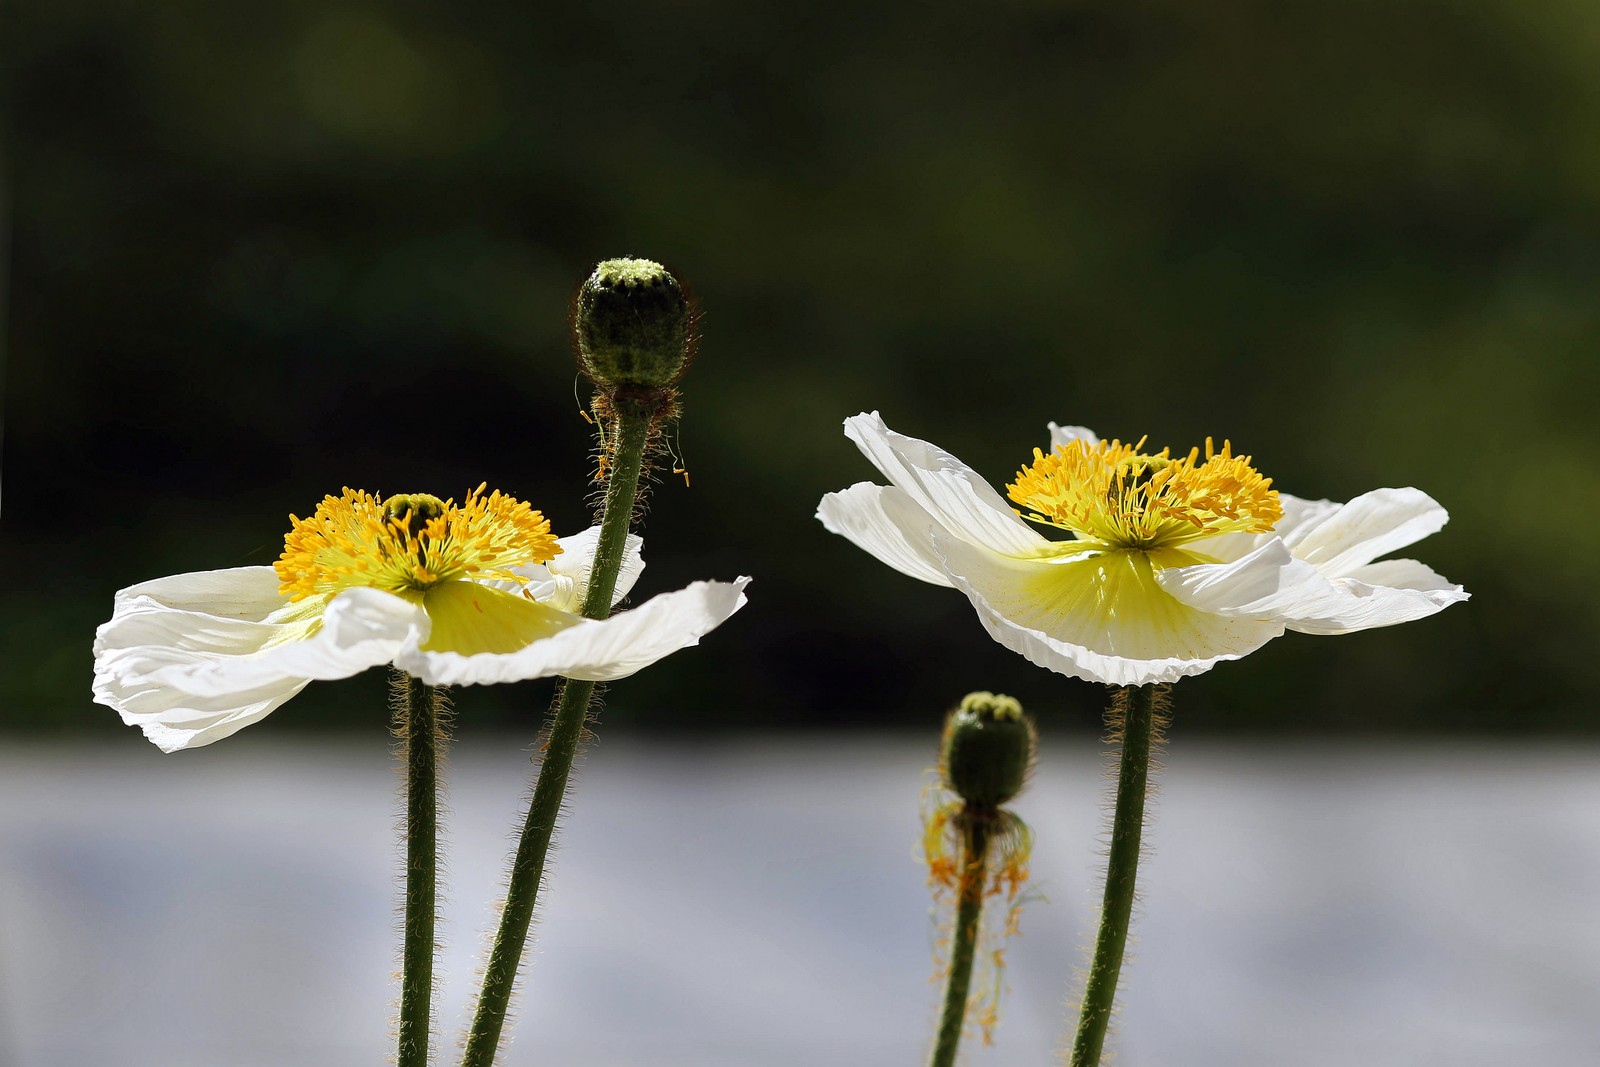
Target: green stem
column 527, row 866
column 418, row 707
column 1137, row 705
column 964, row 939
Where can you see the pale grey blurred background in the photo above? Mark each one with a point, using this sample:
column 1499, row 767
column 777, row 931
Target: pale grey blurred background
column 759, row 902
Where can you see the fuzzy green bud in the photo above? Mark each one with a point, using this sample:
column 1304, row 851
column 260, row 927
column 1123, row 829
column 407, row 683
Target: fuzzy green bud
column 987, row 750
column 632, row 322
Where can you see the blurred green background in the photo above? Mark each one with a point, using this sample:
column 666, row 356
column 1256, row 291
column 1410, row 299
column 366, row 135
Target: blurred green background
column 261, row 251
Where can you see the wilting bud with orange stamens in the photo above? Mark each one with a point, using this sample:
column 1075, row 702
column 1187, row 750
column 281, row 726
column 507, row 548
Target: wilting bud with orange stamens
column 974, row 848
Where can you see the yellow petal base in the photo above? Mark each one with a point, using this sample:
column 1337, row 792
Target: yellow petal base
column 469, row 619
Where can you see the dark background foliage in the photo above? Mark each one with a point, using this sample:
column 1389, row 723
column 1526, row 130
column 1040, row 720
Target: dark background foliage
column 261, row 251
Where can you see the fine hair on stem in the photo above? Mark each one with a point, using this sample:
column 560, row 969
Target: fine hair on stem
column 1136, row 724
column 421, row 720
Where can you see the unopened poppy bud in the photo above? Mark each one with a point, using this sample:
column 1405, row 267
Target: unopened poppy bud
column 632, row 323
column 988, row 749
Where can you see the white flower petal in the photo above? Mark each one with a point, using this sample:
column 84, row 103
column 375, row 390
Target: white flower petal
column 1372, row 525
column 360, row 628
column 1366, row 607
column 1385, row 593
column 577, row 562
column 193, row 658
column 943, row 486
column 887, row 523
column 236, row 592
column 599, row 651
column 1263, row 583
column 1300, row 517
column 562, row 582
column 1405, row 574
column 190, row 617
column 1062, row 435
column 1270, row 583
column 1100, row 617
column 1267, row 582
column 176, row 622
column 174, row 720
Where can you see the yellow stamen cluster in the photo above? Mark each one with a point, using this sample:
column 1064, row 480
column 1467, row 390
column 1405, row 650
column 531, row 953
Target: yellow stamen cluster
column 1117, row 495
column 410, row 542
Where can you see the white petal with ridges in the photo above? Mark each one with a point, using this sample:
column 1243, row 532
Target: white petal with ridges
column 1324, row 581
column 236, row 592
column 947, row 489
column 195, row 657
column 359, row 628
column 1271, row 583
column 593, row 650
column 1300, row 516
column 1405, row 574
column 1367, row 607
column 1100, row 617
column 175, row 720
column 884, row 521
column 1385, row 593
column 1371, row 525
column 178, row 623
column 191, row 618
column 1263, row 583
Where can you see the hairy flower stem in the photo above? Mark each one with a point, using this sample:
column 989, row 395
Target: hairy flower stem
column 418, row 714
column 631, row 432
column 1136, row 706
column 964, row 939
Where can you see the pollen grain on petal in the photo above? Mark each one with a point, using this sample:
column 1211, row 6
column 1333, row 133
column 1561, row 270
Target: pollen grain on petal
column 410, row 542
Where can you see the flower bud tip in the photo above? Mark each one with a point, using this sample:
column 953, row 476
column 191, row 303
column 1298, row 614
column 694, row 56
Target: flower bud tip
column 632, row 322
column 988, row 749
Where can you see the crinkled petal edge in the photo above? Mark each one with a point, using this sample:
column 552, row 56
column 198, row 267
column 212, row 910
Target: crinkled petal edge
column 1271, row 583
column 194, row 658
column 885, row 522
column 952, row 493
column 593, row 650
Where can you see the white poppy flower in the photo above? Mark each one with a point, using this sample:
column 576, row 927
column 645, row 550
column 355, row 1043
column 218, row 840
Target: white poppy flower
column 453, row 594
column 1172, row 564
